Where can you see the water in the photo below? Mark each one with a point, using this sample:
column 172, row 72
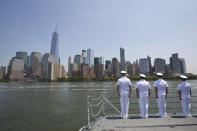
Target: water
column 58, row 106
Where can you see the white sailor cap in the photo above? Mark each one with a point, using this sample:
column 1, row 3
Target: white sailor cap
column 142, row 75
column 183, row 77
column 159, row 74
column 123, row 72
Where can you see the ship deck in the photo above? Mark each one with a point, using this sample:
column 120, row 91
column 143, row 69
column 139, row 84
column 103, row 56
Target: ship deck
column 153, row 123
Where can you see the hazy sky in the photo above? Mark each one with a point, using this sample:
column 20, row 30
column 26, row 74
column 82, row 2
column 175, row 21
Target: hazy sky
column 156, row 28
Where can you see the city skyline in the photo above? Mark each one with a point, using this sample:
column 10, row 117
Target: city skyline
column 104, row 27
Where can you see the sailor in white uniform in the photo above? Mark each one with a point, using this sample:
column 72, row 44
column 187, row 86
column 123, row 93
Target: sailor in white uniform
column 161, row 92
column 143, row 93
column 124, row 92
column 184, row 92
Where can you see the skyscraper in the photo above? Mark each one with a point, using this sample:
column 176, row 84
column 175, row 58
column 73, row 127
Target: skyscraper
column 115, row 67
column 144, row 66
column 24, row 56
column 46, row 59
column 83, row 55
column 96, row 60
column 55, row 46
column 160, row 65
column 69, row 65
column 182, row 65
column 90, row 57
column 35, row 64
column 78, row 60
column 122, row 60
column 174, row 63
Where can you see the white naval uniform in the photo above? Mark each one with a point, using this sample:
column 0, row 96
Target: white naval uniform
column 185, row 88
column 161, row 101
column 143, row 87
column 124, row 84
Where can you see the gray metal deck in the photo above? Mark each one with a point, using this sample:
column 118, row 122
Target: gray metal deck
column 153, row 123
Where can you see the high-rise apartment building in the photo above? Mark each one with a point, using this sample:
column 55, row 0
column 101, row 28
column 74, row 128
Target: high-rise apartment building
column 122, row 60
column 55, row 46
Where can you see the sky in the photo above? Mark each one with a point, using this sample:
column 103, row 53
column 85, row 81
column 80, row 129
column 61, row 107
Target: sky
column 157, row 28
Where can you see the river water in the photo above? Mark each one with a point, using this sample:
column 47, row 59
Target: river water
column 62, row 106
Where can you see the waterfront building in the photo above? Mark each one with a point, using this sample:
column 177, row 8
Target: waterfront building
column 174, row 63
column 99, row 71
column 24, row 56
column 35, row 64
column 144, row 66
column 115, row 67
column 122, row 60
column 160, row 65
column 69, row 65
column 56, row 70
column 16, row 69
column 46, row 59
column 84, row 70
column 182, row 65
column 2, row 72
column 55, row 46
column 90, row 58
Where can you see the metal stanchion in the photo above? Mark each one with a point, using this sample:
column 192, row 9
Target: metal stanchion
column 88, row 109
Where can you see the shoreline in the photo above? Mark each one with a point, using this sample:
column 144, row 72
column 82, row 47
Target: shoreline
column 106, row 79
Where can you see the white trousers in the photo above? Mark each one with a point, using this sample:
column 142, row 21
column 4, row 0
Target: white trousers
column 161, row 102
column 124, row 101
column 186, row 106
column 143, row 102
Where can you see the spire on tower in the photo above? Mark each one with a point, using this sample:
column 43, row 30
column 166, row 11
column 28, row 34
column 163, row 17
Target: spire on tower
column 56, row 28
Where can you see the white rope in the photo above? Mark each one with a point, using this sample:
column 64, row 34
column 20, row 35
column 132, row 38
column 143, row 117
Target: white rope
column 96, row 105
column 92, row 112
column 96, row 98
column 99, row 112
column 112, row 105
